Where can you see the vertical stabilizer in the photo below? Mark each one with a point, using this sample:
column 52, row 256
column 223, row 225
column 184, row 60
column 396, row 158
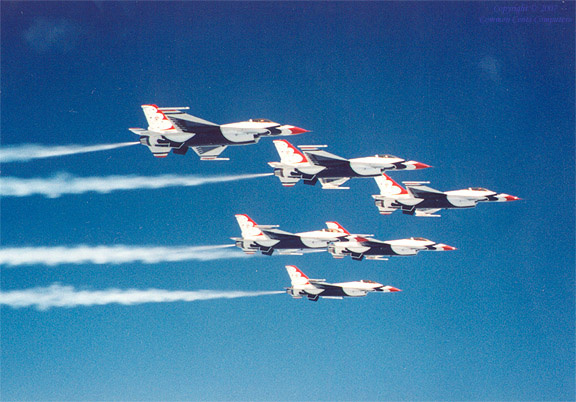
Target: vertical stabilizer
column 289, row 154
column 248, row 227
column 157, row 120
column 389, row 187
column 297, row 277
column 336, row 227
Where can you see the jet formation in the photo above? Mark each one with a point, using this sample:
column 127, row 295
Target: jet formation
column 420, row 200
column 335, row 239
column 170, row 129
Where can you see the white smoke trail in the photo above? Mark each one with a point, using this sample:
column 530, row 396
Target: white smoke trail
column 67, row 184
column 52, row 256
column 56, row 295
column 24, row 153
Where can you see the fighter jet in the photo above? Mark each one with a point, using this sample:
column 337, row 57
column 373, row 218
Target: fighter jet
column 315, row 288
column 171, row 129
column 360, row 246
column 312, row 164
column 420, row 200
column 266, row 238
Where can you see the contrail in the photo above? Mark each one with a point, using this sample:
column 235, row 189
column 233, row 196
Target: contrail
column 67, row 184
column 121, row 254
column 24, row 153
column 57, row 295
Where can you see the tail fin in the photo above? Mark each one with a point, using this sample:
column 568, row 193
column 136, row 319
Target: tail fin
column 297, row 277
column 336, row 227
column 289, row 153
column 248, row 227
column 388, row 186
column 157, row 120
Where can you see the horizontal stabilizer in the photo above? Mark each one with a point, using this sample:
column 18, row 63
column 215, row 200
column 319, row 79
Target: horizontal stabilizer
column 288, row 181
column 334, row 184
column 210, row 152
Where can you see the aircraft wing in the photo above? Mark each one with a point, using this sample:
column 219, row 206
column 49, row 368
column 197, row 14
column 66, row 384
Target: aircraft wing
column 372, row 242
column 278, row 234
column 334, row 184
column 186, row 122
column 324, row 158
column 210, row 152
column 323, row 285
column 420, row 191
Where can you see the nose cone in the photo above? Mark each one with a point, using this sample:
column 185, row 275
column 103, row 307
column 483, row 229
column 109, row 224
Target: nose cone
column 445, row 247
column 387, row 289
column 419, row 165
column 511, row 198
column 413, row 165
column 297, row 130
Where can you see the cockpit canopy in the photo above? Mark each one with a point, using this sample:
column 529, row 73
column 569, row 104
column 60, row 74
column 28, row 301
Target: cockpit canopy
column 261, row 121
column 368, row 281
column 420, row 239
column 386, row 156
column 478, row 189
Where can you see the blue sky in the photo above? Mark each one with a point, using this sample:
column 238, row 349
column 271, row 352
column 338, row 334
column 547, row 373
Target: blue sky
column 486, row 103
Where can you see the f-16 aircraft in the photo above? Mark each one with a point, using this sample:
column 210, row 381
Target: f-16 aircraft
column 266, row 238
column 312, row 164
column 360, row 246
column 420, row 200
column 170, row 129
column 315, row 288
